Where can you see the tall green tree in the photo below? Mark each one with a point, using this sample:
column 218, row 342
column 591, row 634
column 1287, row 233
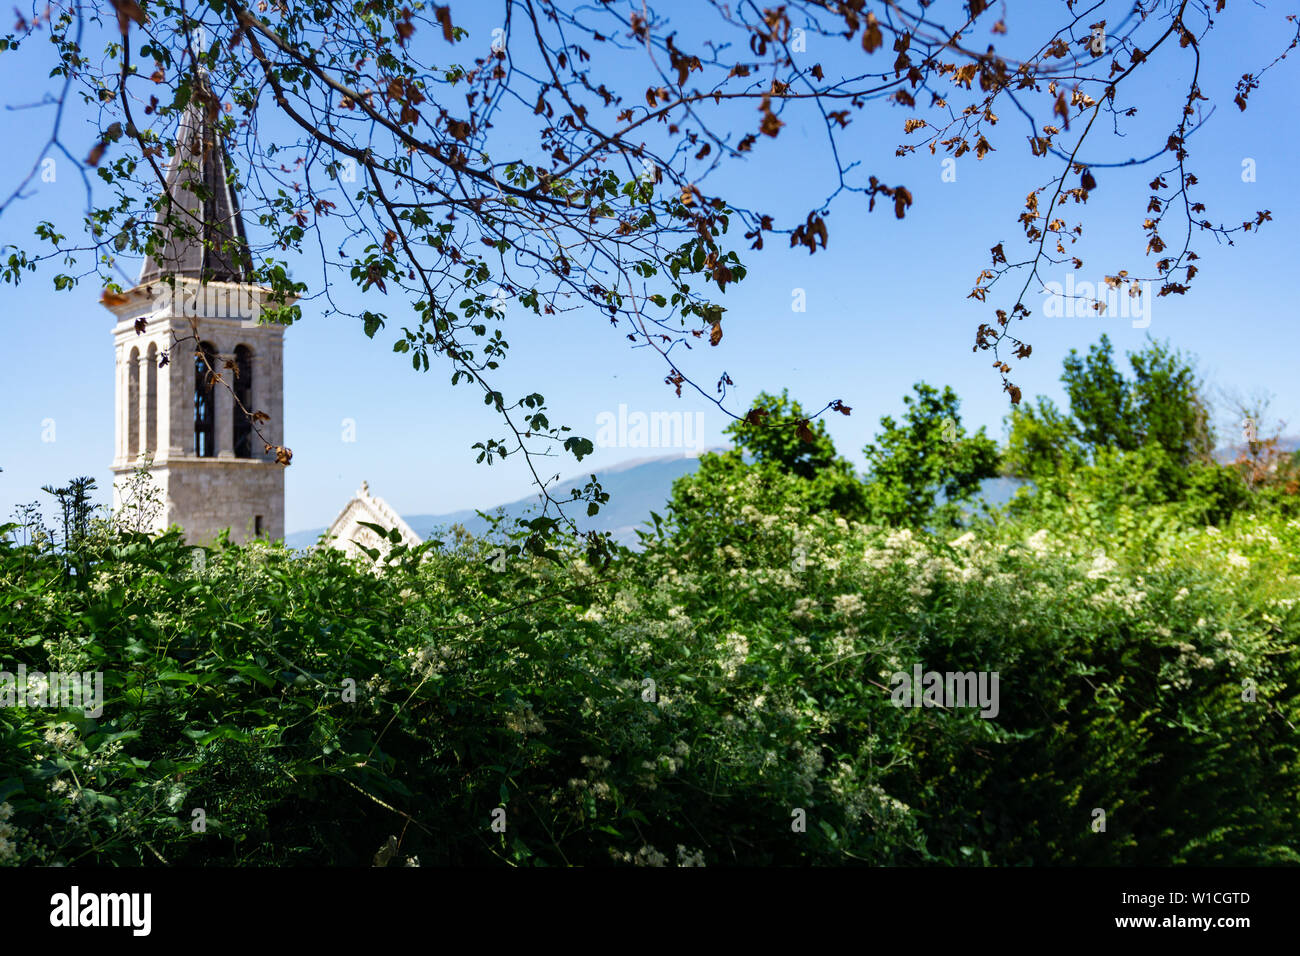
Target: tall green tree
column 1160, row 406
column 778, row 430
column 1101, row 401
column 1042, row 440
column 923, row 469
column 1169, row 404
column 778, row 434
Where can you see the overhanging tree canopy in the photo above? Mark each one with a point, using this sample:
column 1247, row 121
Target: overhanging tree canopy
column 568, row 156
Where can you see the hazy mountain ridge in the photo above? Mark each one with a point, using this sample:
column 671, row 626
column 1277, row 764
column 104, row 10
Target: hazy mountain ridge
column 635, row 487
column 641, row 485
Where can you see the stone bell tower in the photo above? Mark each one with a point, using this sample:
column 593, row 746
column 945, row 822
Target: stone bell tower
column 195, row 367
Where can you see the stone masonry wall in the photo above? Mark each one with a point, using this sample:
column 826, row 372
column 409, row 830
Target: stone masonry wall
column 206, row 496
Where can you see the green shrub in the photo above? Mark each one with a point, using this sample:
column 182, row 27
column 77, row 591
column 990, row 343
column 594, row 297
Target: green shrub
column 681, row 705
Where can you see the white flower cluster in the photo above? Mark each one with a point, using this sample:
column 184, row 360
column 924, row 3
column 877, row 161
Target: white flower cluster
column 68, row 654
column 377, row 686
column 898, row 546
column 8, row 851
column 964, row 542
column 1128, row 600
column 61, row 737
column 923, row 565
column 848, row 792
column 664, row 764
column 647, row 777
column 759, row 519
column 1039, row 542
column 735, row 651
column 843, row 644
column 1102, row 566
column 890, row 810
column 598, row 789
column 689, row 857
column 1252, row 532
column 803, row 609
column 428, row 660
column 646, row 856
column 649, row 856
column 522, row 720
column 1189, row 658
column 810, row 764
column 848, row 605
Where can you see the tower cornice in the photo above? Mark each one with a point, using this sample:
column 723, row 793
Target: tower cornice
column 161, row 298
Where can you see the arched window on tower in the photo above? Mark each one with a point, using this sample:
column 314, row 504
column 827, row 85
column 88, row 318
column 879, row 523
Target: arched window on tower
column 243, row 404
column 151, row 401
column 205, row 435
column 133, row 405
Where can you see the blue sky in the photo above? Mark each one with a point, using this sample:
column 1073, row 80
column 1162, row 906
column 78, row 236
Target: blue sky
column 886, row 301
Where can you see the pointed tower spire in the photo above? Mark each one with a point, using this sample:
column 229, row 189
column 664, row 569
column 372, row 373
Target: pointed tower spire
column 205, row 237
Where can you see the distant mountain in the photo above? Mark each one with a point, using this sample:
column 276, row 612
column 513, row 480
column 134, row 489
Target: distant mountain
column 635, row 488
column 642, row 485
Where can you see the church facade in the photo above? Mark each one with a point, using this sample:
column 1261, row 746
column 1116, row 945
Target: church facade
column 194, row 366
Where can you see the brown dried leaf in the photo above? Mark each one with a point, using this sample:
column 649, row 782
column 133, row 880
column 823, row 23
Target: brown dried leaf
column 127, row 11
column 443, row 14
column 902, row 199
column 871, row 36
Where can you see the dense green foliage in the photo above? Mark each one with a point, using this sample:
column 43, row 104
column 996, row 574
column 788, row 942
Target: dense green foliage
column 694, row 701
column 777, row 437
column 1136, row 451
column 1160, row 407
column 924, row 469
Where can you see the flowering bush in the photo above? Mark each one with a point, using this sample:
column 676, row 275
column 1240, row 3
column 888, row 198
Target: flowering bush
column 722, row 696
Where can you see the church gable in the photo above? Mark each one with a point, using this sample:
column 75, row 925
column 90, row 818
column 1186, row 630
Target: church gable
column 349, row 534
